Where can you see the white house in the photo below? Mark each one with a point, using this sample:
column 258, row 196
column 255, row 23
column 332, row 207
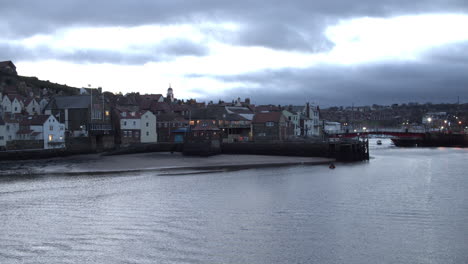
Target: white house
column 12, row 104
column 148, row 128
column 2, row 134
column 11, row 126
column 32, row 106
column 294, row 119
column 331, row 127
column 43, row 127
column 312, row 111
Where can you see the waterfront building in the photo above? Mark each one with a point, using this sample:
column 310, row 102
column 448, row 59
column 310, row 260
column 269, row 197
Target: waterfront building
column 170, row 127
column 148, row 128
column 87, row 120
column 312, row 112
column 294, row 119
column 130, row 128
column 83, row 115
column 11, row 126
column 271, row 126
column 2, row 134
column 331, row 127
column 234, row 122
column 40, row 131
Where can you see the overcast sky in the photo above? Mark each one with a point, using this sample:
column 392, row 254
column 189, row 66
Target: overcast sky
column 331, row 52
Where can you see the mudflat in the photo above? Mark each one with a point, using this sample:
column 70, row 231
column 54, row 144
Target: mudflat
column 160, row 161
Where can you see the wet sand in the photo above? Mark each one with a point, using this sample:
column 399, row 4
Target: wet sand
column 165, row 163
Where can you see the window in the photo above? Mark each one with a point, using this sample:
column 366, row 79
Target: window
column 51, row 137
column 34, row 109
column 137, row 134
column 270, row 124
column 147, row 133
column 1, row 137
column 16, row 108
column 8, row 128
column 125, row 123
column 134, row 123
column 51, row 128
column 147, row 124
column 107, row 113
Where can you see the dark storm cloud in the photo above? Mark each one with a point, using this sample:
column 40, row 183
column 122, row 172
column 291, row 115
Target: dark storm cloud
column 440, row 76
column 272, row 23
column 165, row 51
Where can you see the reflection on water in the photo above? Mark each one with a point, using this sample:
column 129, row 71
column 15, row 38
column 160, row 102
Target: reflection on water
column 404, row 206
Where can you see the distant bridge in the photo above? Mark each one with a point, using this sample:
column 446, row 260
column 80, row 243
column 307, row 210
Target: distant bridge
column 394, row 132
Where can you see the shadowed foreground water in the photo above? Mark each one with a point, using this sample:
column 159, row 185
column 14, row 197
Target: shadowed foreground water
column 404, row 206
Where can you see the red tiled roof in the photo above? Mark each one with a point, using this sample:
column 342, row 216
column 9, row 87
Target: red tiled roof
column 267, row 117
column 160, row 106
column 24, row 131
column 13, row 118
column 34, row 120
column 27, row 101
column 13, row 96
column 265, row 108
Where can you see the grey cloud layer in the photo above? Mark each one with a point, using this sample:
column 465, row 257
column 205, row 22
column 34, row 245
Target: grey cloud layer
column 440, row 77
column 278, row 24
column 167, row 50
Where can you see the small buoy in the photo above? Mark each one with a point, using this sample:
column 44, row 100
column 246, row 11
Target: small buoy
column 332, row 166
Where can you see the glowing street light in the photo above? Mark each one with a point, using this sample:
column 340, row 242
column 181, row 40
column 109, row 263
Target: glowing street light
column 429, row 119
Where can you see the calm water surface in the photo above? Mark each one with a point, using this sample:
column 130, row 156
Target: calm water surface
column 404, row 206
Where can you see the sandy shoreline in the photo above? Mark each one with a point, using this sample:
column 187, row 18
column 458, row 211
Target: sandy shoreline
column 165, row 163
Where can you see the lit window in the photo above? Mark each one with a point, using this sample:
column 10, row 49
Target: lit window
column 51, row 137
column 107, row 113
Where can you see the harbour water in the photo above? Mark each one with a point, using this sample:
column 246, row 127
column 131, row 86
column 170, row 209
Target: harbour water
column 406, row 205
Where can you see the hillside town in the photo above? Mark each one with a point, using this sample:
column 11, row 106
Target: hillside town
column 37, row 114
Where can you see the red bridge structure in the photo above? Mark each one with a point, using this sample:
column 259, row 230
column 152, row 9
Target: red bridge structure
column 397, row 133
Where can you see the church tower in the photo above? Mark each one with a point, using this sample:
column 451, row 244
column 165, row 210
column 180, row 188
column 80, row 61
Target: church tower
column 170, row 94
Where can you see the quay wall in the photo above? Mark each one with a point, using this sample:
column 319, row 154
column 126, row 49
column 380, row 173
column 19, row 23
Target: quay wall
column 341, row 151
column 349, row 151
